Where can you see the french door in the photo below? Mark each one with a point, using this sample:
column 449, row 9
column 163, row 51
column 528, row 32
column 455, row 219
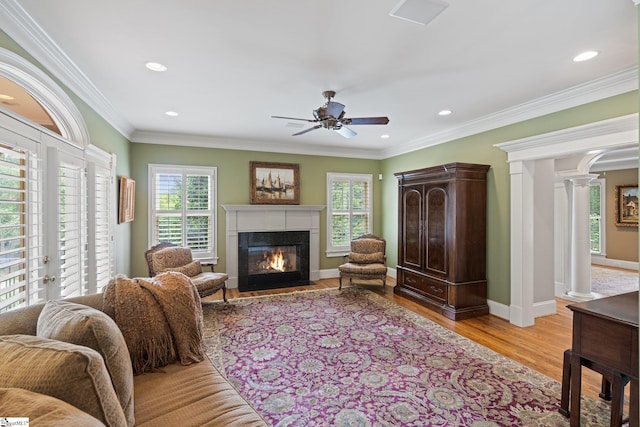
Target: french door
column 50, row 246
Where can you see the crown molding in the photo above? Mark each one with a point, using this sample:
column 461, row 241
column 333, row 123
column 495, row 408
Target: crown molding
column 614, row 84
column 19, row 25
column 189, row 140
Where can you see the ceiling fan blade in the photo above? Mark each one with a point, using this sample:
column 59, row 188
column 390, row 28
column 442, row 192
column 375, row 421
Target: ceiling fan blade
column 366, row 121
column 346, row 132
column 307, row 130
column 334, row 109
column 293, row 118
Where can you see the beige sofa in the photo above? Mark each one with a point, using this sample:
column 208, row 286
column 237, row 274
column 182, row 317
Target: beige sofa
column 193, row 395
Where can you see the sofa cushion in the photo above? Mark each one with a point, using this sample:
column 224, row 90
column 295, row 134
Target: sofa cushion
column 69, row 372
column 86, row 326
column 199, row 393
column 42, row 410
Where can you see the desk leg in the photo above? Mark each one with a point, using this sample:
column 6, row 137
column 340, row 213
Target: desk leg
column 575, row 391
column 566, row 378
column 617, row 401
column 634, row 404
column 605, row 393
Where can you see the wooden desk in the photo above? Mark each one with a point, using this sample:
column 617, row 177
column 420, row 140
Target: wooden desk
column 605, row 337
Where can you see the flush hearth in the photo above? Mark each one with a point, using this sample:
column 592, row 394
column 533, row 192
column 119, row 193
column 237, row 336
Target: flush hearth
column 274, row 259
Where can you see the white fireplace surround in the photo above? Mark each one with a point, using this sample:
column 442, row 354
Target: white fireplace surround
column 252, row 218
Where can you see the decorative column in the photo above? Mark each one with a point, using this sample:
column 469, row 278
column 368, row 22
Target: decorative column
column 580, row 242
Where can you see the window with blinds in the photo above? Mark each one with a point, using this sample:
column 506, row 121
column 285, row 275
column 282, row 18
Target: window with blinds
column 101, row 248
column 350, row 210
column 182, row 208
column 72, row 230
column 21, row 236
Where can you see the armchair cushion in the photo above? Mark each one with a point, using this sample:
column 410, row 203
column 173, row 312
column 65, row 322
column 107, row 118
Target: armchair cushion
column 192, row 269
column 364, row 258
column 169, row 258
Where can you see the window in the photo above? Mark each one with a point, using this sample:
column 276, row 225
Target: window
column 596, row 216
column 182, row 208
column 350, row 210
column 56, row 212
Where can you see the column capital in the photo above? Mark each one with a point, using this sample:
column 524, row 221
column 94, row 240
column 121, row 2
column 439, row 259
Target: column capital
column 583, row 180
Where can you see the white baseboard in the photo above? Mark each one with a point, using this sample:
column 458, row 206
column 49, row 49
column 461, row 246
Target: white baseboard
column 608, row 262
column 498, row 309
column 544, row 308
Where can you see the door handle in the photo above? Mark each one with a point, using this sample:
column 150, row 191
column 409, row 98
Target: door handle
column 47, row 278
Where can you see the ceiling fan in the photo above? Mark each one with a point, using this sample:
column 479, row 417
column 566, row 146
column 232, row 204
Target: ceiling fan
column 331, row 116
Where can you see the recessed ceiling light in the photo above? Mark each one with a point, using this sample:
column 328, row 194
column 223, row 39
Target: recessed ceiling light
column 444, row 112
column 385, row 136
column 6, row 97
column 156, row 66
column 171, row 114
column 585, row 56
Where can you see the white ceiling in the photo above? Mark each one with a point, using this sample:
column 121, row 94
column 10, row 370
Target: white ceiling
column 234, row 63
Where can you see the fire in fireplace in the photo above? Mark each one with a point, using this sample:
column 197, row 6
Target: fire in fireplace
column 273, row 259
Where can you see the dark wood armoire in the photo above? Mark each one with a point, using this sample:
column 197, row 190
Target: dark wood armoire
column 442, row 238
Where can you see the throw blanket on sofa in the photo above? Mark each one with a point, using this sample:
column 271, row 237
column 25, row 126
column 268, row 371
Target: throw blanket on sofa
column 160, row 318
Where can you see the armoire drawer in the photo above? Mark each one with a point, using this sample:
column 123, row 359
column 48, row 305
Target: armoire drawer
column 429, row 287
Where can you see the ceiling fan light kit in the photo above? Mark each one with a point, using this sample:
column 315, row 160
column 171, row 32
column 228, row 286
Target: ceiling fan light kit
column 331, row 116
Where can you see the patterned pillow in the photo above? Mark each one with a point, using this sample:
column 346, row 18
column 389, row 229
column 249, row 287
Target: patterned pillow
column 42, row 410
column 82, row 325
column 358, row 258
column 192, row 269
column 171, row 257
column 69, row 372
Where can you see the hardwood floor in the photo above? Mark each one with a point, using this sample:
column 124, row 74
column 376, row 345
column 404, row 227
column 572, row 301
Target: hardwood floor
column 539, row 347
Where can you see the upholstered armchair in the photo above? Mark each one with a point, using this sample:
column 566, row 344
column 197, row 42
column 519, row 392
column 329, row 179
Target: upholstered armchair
column 367, row 260
column 167, row 256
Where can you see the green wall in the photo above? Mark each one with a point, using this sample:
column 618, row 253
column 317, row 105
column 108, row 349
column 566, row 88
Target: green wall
column 480, row 149
column 233, row 188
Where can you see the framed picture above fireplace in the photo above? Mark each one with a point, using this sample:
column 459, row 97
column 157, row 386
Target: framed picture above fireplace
column 274, row 183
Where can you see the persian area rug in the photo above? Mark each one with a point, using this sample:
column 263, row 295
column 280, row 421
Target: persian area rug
column 353, row 358
column 610, row 281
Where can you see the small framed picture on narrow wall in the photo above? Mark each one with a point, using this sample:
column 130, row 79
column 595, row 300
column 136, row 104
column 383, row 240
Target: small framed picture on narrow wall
column 126, row 210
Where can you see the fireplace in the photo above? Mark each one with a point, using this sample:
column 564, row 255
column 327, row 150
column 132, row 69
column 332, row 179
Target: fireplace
column 272, row 259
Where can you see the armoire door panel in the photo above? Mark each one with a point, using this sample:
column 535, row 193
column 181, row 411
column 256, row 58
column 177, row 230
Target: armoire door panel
column 412, row 228
column 435, row 230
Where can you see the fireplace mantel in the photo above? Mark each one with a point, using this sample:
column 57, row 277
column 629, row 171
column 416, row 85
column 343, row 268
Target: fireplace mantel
column 247, row 218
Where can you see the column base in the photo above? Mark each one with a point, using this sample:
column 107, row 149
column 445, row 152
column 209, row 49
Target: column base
column 581, row 295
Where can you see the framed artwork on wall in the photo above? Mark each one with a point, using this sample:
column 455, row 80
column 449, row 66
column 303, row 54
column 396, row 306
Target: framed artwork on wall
column 127, row 206
column 274, row 183
column 626, row 209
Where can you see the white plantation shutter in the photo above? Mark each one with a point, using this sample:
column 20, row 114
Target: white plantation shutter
column 72, row 232
column 350, row 210
column 182, row 208
column 101, row 249
column 21, row 237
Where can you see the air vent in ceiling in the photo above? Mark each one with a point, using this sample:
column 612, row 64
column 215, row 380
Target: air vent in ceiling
column 419, row 11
